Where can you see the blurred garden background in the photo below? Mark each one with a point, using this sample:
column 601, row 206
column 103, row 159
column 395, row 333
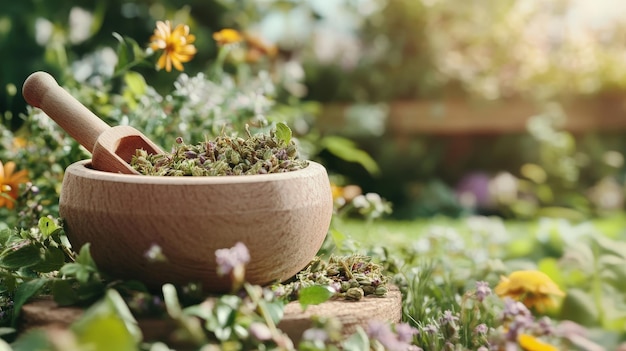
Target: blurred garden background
column 485, row 136
column 513, row 108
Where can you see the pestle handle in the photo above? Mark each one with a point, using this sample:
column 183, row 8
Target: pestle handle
column 42, row 90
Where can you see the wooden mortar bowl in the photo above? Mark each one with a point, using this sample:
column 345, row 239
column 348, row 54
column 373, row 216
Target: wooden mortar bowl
column 282, row 218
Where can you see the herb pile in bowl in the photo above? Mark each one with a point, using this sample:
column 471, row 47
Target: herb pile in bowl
column 274, row 152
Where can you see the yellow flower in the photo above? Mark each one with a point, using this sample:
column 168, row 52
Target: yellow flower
column 337, row 191
column 346, row 193
column 9, row 183
column 227, row 36
column 19, row 143
column 530, row 343
column 177, row 45
column 533, row 288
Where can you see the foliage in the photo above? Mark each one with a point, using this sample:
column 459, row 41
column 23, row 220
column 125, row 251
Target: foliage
column 243, row 88
column 444, row 274
column 494, row 50
column 567, row 177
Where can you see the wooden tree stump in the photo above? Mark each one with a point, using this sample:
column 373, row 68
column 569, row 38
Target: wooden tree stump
column 352, row 314
column 44, row 313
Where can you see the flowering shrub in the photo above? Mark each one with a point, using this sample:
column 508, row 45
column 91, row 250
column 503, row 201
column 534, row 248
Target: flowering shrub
column 244, row 89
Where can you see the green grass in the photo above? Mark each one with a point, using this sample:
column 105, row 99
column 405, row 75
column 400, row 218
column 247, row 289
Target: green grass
column 392, row 232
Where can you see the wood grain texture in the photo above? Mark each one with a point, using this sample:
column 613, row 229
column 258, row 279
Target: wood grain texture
column 282, row 218
column 45, row 313
column 351, row 314
column 112, row 147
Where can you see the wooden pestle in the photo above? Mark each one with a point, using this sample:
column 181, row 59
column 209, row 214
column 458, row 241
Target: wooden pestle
column 112, row 148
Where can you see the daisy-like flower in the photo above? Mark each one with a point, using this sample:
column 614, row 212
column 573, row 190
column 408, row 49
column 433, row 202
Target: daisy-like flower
column 533, row 288
column 177, row 45
column 227, row 36
column 9, row 183
column 530, row 343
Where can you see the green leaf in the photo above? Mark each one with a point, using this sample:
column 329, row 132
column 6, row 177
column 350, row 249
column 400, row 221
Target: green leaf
column 47, row 226
column 578, row 306
column 101, row 328
column 172, row 304
column 81, row 272
column 5, row 234
column 135, row 83
column 225, row 314
column 84, row 267
column 84, row 256
column 25, row 256
column 90, row 291
column 53, row 260
column 5, row 331
column 275, row 309
column 347, row 150
column 32, row 340
column 119, row 305
column 314, row 295
column 8, row 282
column 283, row 132
column 613, row 271
column 610, row 246
column 23, row 293
column 123, row 56
column 63, row 293
column 357, row 341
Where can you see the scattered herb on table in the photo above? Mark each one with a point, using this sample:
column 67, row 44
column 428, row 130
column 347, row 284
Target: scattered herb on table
column 274, row 152
column 351, row 277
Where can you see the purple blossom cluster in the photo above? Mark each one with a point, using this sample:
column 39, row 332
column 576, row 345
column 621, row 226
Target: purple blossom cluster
column 400, row 338
column 229, row 259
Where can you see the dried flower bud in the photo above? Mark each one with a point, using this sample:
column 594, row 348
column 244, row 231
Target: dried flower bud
column 355, row 294
column 381, row 290
column 191, row 154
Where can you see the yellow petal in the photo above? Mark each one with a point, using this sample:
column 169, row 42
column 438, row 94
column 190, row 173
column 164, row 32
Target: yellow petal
column 530, row 343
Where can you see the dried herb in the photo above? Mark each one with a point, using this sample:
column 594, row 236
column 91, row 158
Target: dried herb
column 225, row 155
column 352, row 277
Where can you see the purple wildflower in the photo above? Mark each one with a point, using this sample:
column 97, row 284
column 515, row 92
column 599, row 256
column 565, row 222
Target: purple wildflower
column 481, row 329
column 517, row 326
column 382, row 332
column 431, row 329
column 544, row 326
column 514, row 308
column 336, row 286
column 448, row 318
column 229, row 259
column 405, row 332
column 482, row 290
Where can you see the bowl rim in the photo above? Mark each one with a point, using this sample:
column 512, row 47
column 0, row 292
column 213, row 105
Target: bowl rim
column 81, row 169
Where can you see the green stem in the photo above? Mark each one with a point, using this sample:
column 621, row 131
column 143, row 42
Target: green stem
column 596, row 285
column 262, row 308
column 130, row 65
